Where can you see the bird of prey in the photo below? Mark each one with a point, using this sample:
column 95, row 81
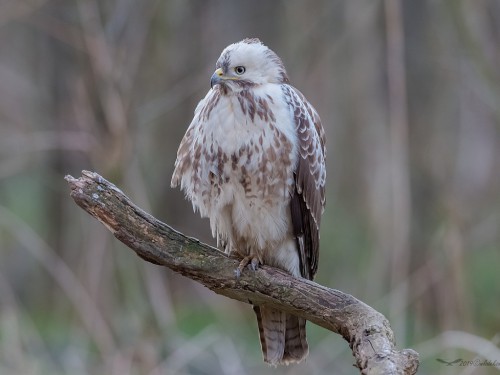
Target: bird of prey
column 253, row 162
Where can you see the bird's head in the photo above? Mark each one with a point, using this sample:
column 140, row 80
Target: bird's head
column 246, row 64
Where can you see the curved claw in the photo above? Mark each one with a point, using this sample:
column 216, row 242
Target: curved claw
column 254, row 264
column 237, row 272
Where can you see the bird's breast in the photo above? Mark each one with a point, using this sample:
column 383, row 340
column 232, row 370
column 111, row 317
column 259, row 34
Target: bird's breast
column 250, row 135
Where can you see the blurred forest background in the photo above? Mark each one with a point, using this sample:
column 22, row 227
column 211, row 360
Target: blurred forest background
column 409, row 95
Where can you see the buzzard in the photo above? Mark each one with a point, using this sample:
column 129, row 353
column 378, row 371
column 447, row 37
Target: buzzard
column 253, row 162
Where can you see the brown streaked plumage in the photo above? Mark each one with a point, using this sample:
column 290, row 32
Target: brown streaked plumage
column 253, row 162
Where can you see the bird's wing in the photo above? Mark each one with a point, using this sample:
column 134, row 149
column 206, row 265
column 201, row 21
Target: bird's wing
column 308, row 198
column 189, row 151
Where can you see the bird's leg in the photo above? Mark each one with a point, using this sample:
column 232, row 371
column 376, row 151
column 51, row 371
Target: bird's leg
column 251, row 261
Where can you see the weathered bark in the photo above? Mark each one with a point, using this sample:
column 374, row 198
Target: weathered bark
column 366, row 330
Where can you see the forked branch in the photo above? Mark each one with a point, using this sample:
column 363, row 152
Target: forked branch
column 366, row 330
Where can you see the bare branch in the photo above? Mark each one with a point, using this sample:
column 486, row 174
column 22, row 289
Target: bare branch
column 366, row 330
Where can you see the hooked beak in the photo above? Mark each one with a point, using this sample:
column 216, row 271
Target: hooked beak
column 216, row 78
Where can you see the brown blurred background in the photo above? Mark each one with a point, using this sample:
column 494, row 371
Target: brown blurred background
column 409, row 94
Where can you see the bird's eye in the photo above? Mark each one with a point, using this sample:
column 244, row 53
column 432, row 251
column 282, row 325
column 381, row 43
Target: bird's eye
column 239, row 70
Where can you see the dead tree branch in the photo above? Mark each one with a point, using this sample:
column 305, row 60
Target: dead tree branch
column 366, row 330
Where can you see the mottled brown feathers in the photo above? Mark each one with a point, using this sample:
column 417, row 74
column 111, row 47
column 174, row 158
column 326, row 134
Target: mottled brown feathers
column 253, row 162
column 251, row 41
column 308, row 199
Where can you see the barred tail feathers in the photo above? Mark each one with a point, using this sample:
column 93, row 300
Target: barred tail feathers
column 282, row 336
